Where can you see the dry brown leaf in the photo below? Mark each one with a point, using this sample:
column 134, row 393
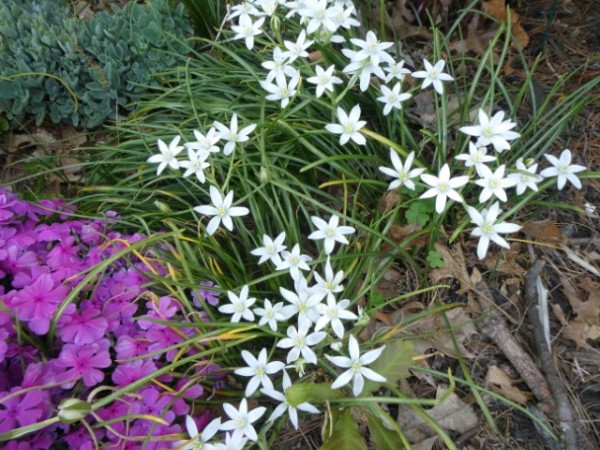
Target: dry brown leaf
column 499, row 11
column 399, row 234
column 388, row 200
column 586, row 323
column 431, row 332
column 578, row 332
column 455, row 267
column 504, row 385
column 543, row 230
column 451, row 414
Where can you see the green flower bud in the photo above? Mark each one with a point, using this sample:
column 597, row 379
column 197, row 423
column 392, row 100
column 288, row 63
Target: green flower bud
column 264, row 176
column 276, row 25
column 73, row 410
column 163, row 207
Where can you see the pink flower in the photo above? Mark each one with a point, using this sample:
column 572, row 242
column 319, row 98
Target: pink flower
column 131, row 371
column 20, row 410
column 83, row 362
column 82, row 327
column 129, row 347
column 37, row 303
column 163, row 309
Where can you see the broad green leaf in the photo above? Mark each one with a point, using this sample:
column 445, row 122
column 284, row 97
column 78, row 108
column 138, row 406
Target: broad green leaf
column 381, row 436
column 392, row 364
column 435, row 259
column 311, row 393
column 345, row 435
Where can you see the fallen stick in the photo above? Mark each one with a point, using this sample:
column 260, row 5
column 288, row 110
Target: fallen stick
column 493, row 326
column 573, row 436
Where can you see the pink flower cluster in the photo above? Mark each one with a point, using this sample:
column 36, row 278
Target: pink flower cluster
column 112, row 334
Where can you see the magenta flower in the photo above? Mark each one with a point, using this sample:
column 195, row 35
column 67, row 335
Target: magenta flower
column 83, row 327
column 83, row 361
column 210, row 297
column 131, row 371
column 20, row 410
column 37, row 303
column 129, row 347
column 162, row 338
column 163, row 309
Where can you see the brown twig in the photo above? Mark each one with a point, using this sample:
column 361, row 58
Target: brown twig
column 571, row 433
column 493, row 326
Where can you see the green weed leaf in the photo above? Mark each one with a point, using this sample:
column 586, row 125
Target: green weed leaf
column 435, row 259
column 392, row 364
column 383, row 437
column 345, row 435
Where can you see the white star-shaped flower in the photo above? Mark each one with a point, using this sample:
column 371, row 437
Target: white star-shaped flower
column 333, row 312
column 402, row 173
column 232, row 135
column 270, row 314
column 330, row 284
column 259, row 369
column 284, row 404
column 301, row 303
column 242, row 419
column 199, row 440
column 476, row 157
column 271, row 249
column 365, row 70
column 300, row 342
column 349, row 126
column 392, row 98
column 282, row 90
column 487, row 229
column 492, row 131
column 294, row 261
column 222, row 210
column 330, row 232
column 563, row 170
column 324, row 79
column 372, row 49
column 433, row 75
column 356, row 367
column 525, row 177
column 278, row 67
column 320, row 15
column 168, row 155
column 494, row 183
column 195, row 164
column 396, row 71
column 239, row 306
column 205, row 144
column 297, row 49
column 443, row 187
column 246, row 29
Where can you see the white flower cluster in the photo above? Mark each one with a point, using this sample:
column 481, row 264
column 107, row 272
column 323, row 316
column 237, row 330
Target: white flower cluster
column 495, row 132
column 315, row 313
column 313, row 309
column 199, row 152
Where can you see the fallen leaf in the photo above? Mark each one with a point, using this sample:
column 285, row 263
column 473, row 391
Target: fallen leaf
column 501, row 12
column 455, row 267
column 431, row 332
column 586, row 323
column 388, row 200
column 451, row 413
column 503, row 384
column 543, row 230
